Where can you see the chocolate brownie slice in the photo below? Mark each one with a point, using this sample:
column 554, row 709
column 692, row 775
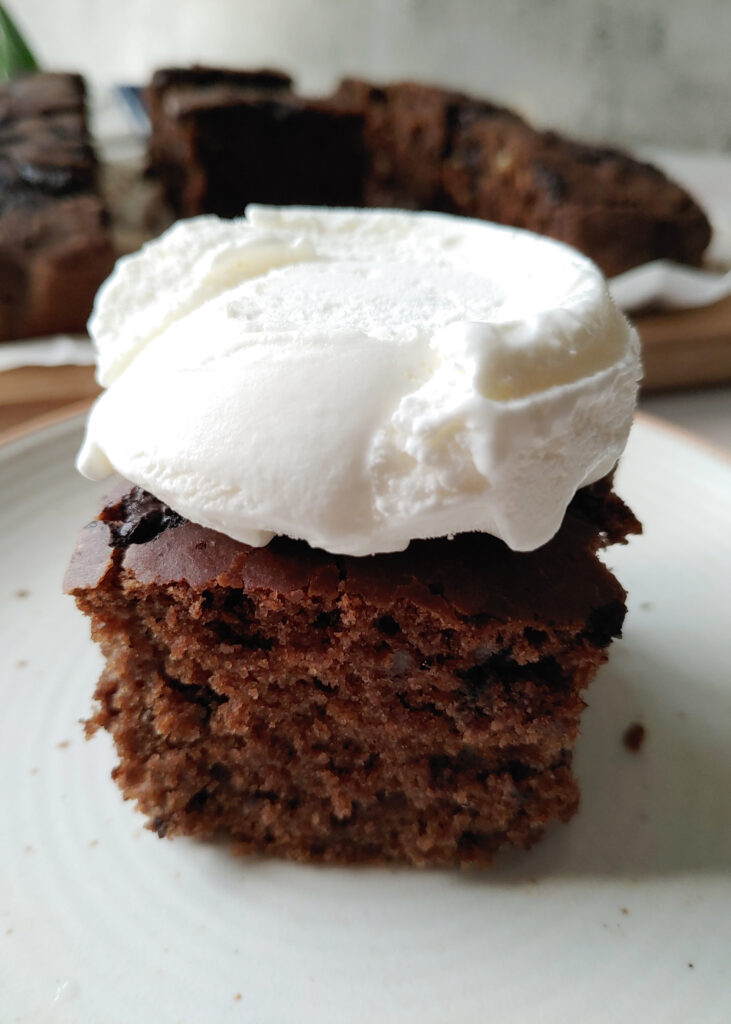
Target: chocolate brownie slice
column 420, row 706
column 617, row 210
column 55, row 246
column 431, row 148
column 221, row 139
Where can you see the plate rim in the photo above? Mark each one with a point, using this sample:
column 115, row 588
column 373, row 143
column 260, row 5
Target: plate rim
column 46, row 422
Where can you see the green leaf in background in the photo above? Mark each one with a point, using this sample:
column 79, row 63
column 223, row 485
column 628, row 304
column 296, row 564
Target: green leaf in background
column 15, row 55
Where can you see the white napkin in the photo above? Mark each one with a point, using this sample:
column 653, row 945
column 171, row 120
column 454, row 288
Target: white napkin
column 60, row 350
column 666, row 285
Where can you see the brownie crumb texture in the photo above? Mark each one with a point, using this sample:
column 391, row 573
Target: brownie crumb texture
column 419, row 707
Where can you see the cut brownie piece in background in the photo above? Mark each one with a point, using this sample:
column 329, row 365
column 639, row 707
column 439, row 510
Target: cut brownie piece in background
column 436, row 149
column 407, row 131
column 420, row 706
column 55, row 246
column 409, row 136
column 221, row 139
column 617, row 210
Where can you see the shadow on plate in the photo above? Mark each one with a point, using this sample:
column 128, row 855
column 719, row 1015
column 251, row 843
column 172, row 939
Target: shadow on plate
column 660, row 811
column 665, row 809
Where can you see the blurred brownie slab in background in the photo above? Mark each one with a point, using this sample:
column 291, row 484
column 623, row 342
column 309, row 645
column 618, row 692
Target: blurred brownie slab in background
column 441, row 150
column 55, row 246
column 221, row 139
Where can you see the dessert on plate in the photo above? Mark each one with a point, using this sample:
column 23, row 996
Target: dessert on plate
column 55, row 244
column 221, row 139
column 347, row 587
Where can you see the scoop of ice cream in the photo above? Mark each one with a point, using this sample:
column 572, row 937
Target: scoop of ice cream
column 360, row 379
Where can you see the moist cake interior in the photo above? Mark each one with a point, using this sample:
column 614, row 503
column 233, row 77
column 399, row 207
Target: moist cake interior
column 419, row 706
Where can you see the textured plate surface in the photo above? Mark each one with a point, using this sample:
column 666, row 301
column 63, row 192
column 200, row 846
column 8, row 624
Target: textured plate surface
column 622, row 915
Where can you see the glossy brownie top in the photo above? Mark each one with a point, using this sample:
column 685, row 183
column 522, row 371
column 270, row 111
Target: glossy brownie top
column 136, row 537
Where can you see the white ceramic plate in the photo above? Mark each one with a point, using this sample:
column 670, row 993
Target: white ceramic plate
column 623, row 915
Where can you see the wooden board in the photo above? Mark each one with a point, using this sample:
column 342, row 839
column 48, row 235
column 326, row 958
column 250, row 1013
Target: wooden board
column 687, row 348
column 34, row 391
column 680, row 349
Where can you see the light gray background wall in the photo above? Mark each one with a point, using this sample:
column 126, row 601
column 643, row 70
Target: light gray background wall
column 630, row 71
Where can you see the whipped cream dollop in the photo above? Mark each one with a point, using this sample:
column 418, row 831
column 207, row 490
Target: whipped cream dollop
column 360, row 378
